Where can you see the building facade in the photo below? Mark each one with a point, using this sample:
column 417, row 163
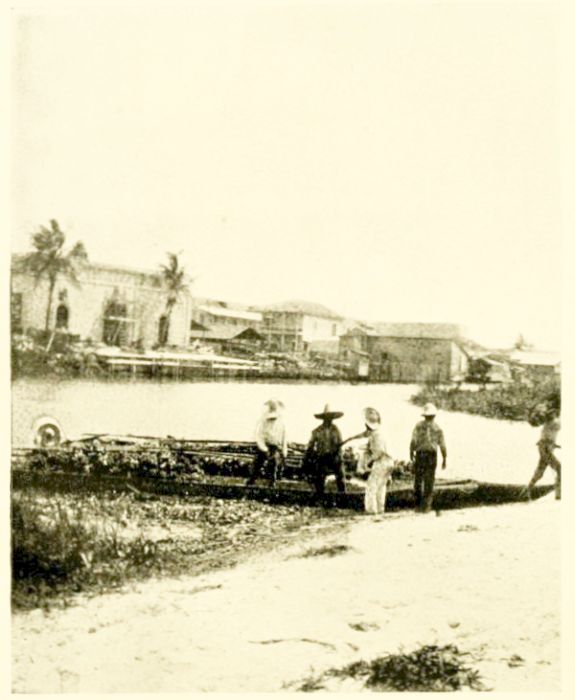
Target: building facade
column 409, row 352
column 211, row 312
column 226, row 325
column 294, row 326
column 111, row 305
column 538, row 363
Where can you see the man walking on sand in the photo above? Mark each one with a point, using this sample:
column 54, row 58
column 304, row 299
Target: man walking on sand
column 271, row 443
column 547, row 444
column 427, row 437
column 323, row 454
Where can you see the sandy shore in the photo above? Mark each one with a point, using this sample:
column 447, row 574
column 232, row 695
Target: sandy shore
column 487, row 580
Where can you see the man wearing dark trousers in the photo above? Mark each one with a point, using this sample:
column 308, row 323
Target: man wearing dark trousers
column 323, row 454
column 427, row 437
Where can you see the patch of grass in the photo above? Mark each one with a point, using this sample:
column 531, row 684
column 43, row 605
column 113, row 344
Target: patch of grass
column 311, row 685
column 428, row 669
column 68, row 543
column 363, row 626
column 62, row 544
column 332, row 550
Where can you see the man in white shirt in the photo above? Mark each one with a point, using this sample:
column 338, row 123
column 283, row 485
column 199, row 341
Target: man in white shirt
column 271, row 443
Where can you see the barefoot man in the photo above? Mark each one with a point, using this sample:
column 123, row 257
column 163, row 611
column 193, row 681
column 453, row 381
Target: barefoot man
column 547, row 444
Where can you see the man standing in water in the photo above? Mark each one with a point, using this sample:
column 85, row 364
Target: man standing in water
column 323, row 454
column 271, row 443
column 427, row 437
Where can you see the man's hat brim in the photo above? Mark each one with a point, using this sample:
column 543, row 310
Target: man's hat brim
column 329, row 414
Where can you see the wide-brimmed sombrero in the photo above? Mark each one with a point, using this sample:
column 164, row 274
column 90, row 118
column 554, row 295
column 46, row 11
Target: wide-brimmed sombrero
column 328, row 413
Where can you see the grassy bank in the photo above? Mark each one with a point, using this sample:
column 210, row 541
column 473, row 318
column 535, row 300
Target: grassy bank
column 513, row 401
column 66, row 544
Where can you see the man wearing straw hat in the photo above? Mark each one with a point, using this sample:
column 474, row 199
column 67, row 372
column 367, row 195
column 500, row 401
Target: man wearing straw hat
column 323, row 454
column 426, row 438
column 379, row 462
column 271, row 443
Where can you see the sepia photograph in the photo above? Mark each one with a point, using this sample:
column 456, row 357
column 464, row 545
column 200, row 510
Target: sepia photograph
column 285, row 347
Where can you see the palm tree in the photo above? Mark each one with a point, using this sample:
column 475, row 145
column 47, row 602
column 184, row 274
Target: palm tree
column 521, row 343
column 174, row 277
column 49, row 261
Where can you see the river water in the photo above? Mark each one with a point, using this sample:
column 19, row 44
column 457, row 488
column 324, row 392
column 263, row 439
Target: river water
column 481, row 448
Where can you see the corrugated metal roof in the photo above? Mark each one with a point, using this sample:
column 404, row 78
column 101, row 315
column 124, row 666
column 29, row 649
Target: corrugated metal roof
column 225, row 312
column 431, row 331
column 299, row 306
column 435, row 331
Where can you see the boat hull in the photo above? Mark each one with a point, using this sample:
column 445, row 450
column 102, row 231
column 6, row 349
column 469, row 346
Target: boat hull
column 447, row 495
column 186, row 468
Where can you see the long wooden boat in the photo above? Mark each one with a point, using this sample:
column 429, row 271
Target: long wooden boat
column 185, row 467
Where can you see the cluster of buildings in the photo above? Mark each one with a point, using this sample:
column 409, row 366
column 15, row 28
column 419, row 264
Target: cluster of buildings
column 124, row 307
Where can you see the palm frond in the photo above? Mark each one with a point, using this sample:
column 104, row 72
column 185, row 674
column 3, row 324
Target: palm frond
column 49, row 240
column 174, row 277
column 67, row 267
column 173, row 274
column 48, row 259
column 78, row 251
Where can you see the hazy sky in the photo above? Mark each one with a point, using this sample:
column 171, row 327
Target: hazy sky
column 392, row 161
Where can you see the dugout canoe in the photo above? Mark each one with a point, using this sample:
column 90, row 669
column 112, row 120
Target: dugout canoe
column 169, row 466
column 449, row 494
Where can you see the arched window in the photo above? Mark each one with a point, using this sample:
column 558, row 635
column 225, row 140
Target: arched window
column 62, row 317
column 163, row 330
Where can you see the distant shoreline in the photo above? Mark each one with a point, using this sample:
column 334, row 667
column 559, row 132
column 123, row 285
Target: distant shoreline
column 514, row 401
column 123, row 379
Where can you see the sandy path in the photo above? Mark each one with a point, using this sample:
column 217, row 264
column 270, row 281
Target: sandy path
column 485, row 579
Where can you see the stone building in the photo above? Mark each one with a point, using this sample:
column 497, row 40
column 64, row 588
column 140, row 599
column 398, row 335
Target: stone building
column 408, row 352
column 111, row 305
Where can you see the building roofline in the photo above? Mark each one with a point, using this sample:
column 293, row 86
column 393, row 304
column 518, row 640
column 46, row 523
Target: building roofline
column 111, row 267
column 226, row 312
column 123, row 268
column 418, row 330
column 313, row 309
